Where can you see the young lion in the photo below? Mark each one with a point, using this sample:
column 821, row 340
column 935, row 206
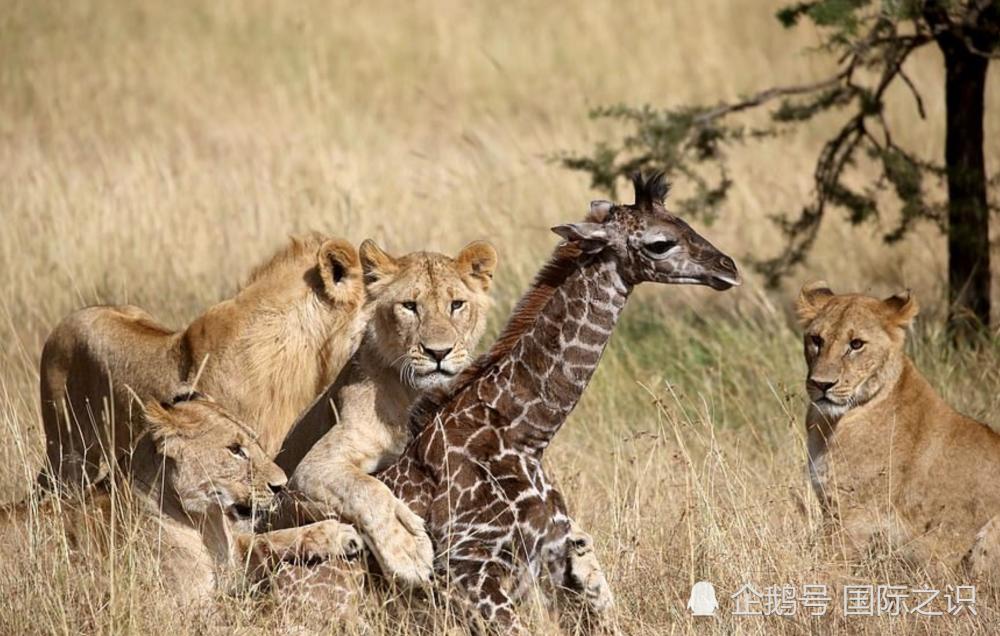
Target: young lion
column 887, row 456
column 265, row 354
column 428, row 312
column 199, row 476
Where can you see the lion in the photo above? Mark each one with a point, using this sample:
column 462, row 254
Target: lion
column 199, row 477
column 428, row 312
column 265, row 354
column 888, row 458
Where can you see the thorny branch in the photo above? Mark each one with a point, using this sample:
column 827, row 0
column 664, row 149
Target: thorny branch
column 683, row 140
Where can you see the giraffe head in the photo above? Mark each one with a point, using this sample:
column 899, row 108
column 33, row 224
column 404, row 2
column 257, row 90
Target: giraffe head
column 649, row 243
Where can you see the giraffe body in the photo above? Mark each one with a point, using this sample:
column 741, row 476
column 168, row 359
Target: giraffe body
column 474, row 471
column 474, row 468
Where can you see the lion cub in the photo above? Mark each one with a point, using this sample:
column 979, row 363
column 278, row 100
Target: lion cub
column 887, row 456
column 428, row 313
column 197, row 480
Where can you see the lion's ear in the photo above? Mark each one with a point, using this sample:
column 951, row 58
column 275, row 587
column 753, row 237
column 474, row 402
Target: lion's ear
column 476, row 263
column 375, row 262
column 813, row 297
column 161, row 427
column 903, row 308
column 339, row 268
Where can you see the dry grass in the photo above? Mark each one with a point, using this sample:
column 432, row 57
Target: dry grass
column 153, row 152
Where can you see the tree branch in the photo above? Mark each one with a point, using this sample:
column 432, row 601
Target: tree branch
column 768, row 95
column 916, row 94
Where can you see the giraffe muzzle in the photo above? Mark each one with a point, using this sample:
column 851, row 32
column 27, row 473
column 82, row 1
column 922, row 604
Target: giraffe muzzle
column 724, row 274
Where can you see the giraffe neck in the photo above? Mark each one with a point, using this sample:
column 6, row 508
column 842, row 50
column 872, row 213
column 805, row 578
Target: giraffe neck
column 554, row 360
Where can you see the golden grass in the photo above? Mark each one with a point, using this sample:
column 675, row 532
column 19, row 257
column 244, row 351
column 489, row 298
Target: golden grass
column 154, row 152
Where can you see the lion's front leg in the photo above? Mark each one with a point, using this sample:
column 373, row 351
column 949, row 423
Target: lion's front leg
column 332, row 481
column 261, row 554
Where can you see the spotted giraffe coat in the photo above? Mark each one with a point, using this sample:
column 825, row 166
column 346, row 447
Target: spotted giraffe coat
column 474, row 468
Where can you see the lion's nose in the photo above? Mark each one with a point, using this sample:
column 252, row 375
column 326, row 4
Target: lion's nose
column 823, row 386
column 277, row 486
column 436, row 354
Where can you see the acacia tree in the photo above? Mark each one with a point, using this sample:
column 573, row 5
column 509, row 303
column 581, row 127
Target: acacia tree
column 871, row 39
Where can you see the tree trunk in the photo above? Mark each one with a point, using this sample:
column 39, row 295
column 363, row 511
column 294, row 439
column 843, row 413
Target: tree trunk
column 968, row 214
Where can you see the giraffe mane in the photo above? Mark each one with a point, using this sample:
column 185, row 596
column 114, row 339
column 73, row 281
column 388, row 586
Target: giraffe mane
column 563, row 262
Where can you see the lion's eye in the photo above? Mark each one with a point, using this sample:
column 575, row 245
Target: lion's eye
column 456, row 305
column 237, row 451
column 857, row 344
column 410, row 305
column 816, row 341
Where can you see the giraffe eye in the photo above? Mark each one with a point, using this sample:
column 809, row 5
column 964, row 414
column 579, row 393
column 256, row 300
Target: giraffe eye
column 659, row 247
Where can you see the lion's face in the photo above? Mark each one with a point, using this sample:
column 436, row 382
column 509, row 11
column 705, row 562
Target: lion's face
column 853, row 345
column 214, row 459
column 429, row 309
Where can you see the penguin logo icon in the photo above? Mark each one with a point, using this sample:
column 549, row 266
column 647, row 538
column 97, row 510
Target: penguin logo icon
column 702, row 601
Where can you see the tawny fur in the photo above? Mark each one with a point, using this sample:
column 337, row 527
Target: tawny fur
column 197, row 473
column 889, row 459
column 265, row 354
column 331, row 465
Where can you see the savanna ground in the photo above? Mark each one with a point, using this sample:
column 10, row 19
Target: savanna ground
column 153, row 152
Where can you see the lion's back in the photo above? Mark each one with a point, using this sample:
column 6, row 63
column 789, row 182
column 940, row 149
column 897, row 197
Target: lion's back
column 92, row 364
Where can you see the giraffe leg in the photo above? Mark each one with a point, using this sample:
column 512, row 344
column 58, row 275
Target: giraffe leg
column 329, row 591
column 488, row 607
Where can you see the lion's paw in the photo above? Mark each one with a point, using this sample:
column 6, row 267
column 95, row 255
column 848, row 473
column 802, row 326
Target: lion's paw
column 330, row 539
column 401, row 545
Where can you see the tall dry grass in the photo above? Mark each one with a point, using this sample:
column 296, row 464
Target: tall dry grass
column 153, row 152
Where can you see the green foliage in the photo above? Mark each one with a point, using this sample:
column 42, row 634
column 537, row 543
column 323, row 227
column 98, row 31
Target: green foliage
column 676, row 140
column 796, row 110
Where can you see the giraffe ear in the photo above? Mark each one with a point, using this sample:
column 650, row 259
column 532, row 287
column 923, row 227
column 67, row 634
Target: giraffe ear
column 599, row 211
column 591, row 237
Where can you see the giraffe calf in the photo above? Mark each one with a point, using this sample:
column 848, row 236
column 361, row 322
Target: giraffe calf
column 473, row 470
